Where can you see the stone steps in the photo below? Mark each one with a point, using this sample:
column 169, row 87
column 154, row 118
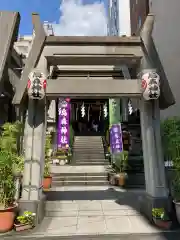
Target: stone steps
column 78, row 174
column 90, row 163
column 80, row 178
column 88, row 156
column 76, row 179
column 91, row 160
column 80, row 183
column 88, row 150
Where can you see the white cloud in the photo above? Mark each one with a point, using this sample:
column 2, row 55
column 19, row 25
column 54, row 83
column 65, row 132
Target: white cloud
column 78, row 19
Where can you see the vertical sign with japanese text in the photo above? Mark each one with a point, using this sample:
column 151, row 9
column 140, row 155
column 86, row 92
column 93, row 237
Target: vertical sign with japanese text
column 63, row 123
column 116, row 143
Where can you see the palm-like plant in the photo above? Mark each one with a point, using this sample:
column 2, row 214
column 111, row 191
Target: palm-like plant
column 7, row 186
column 171, row 146
column 121, row 161
column 10, row 161
column 47, row 157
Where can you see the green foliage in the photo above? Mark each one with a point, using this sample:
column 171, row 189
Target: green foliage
column 171, row 145
column 7, row 186
column 47, row 157
column 170, row 131
column 10, row 162
column 160, row 213
column 27, row 218
column 121, row 161
column 176, row 187
column 8, row 140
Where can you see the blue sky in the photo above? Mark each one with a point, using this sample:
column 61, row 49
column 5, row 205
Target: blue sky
column 48, row 10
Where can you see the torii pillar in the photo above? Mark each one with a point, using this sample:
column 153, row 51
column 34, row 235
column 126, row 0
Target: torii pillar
column 156, row 195
column 33, row 199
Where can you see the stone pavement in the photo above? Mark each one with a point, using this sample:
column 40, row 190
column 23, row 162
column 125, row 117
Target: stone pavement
column 114, row 216
column 94, row 212
column 109, row 211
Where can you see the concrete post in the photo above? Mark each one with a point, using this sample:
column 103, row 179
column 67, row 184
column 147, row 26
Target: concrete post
column 158, row 141
column 35, row 131
column 156, row 191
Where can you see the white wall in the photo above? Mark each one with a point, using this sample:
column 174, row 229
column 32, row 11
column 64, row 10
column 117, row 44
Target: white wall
column 124, row 17
column 167, row 39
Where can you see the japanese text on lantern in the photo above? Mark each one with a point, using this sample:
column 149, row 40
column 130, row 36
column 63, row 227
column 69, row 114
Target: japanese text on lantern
column 63, row 124
column 116, row 143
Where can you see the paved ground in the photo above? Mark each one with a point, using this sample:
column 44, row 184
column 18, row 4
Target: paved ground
column 114, row 218
column 105, row 211
column 94, row 212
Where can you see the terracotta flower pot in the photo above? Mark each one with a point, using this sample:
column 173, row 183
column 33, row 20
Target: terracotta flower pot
column 22, row 227
column 177, row 206
column 47, row 182
column 122, row 179
column 7, row 217
column 166, row 225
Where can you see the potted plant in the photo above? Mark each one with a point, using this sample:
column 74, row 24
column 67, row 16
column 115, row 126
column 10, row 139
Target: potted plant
column 8, row 169
column 171, row 144
column 7, row 192
column 122, row 164
column 25, row 221
column 112, row 176
column 61, row 157
column 47, row 180
column 161, row 219
column 176, row 195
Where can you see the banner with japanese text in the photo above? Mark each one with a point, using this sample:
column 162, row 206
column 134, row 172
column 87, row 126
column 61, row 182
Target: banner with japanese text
column 116, row 142
column 63, row 123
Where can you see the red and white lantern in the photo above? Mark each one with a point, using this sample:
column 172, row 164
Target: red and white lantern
column 150, row 85
column 36, row 85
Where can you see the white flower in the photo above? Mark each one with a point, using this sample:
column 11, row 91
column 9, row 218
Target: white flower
column 33, row 214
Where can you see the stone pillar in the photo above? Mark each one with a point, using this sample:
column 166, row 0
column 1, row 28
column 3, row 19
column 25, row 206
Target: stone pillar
column 34, row 143
column 33, row 198
column 156, row 191
column 158, row 141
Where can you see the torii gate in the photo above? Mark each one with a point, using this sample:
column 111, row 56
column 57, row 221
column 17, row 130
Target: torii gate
column 134, row 52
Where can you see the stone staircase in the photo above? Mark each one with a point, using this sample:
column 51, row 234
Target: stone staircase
column 79, row 179
column 88, row 150
column 88, row 165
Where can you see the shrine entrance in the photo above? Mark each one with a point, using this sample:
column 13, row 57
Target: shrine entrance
column 89, row 116
column 96, row 68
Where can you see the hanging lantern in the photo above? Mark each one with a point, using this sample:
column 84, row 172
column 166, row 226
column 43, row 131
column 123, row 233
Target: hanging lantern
column 150, row 84
column 105, row 110
column 36, row 85
column 83, row 110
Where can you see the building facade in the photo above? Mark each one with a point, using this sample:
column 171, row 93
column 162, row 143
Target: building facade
column 23, row 44
column 126, row 17
column 167, row 40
